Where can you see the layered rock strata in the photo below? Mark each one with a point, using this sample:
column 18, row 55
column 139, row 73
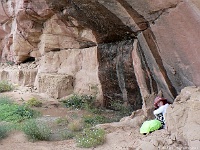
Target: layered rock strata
column 127, row 49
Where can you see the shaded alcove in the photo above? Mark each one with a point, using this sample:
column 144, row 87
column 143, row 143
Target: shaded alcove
column 116, row 74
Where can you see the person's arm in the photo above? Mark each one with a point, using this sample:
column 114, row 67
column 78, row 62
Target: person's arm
column 159, row 110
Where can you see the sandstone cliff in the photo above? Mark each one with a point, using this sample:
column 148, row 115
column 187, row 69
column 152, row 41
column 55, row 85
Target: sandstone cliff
column 120, row 49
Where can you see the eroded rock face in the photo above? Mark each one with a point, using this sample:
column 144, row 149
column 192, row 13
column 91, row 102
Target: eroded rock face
column 117, row 74
column 81, row 64
column 55, row 85
column 162, row 54
column 162, row 60
column 183, row 117
column 25, row 77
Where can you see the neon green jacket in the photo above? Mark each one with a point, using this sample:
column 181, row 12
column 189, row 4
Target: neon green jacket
column 150, row 126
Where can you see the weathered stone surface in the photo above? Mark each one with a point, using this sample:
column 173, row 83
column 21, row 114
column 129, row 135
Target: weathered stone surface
column 124, row 50
column 183, row 117
column 25, row 77
column 165, row 30
column 117, row 74
column 55, row 85
column 179, row 49
column 57, row 35
column 81, row 64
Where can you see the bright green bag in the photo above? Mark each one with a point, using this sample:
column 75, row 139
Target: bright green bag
column 150, row 126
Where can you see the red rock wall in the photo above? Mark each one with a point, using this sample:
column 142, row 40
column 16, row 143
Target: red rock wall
column 165, row 57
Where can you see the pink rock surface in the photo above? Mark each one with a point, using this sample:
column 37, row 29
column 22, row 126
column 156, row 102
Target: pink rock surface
column 167, row 33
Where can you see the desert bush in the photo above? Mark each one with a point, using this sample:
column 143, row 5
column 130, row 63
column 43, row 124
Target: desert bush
column 90, row 138
column 24, row 111
column 80, row 101
column 66, row 134
column 34, row 102
column 74, row 102
column 88, row 101
column 12, row 112
column 3, row 131
column 36, row 130
column 5, row 86
column 5, row 100
column 62, row 121
column 75, row 125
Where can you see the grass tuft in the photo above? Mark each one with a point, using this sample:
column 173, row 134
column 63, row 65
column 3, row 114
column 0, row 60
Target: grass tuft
column 90, row 138
column 75, row 125
column 66, row 135
column 80, row 101
column 3, row 131
column 36, row 130
column 34, row 102
column 12, row 112
column 5, row 86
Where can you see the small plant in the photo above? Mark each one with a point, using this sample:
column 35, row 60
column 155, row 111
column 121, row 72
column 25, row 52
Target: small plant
column 74, row 102
column 3, row 131
column 66, row 135
column 13, row 112
column 75, row 125
column 36, row 130
column 24, row 111
column 62, row 121
column 88, row 101
column 90, row 138
column 80, row 101
column 5, row 86
column 5, row 100
column 34, row 102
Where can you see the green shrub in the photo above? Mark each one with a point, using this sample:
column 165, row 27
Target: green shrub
column 13, row 112
column 88, row 101
column 79, row 101
column 24, row 111
column 90, row 138
column 5, row 100
column 3, row 131
column 74, row 102
column 62, row 121
column 66, row 135
column 5, row 86
column 75, row 125
column 36, row 130
column 34, row 102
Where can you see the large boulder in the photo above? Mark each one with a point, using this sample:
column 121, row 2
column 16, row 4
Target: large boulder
column 183, row 120
column 55, row 85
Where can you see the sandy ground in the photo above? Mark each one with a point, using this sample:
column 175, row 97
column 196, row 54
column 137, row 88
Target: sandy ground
column 118, row 138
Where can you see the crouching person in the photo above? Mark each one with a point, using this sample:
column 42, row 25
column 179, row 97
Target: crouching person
column 160, row 105
column 149, row 126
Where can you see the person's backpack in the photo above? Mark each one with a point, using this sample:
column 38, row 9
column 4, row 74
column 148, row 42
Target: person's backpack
column 150, row 126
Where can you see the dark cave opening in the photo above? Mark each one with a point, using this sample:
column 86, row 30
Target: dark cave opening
column 30, row 59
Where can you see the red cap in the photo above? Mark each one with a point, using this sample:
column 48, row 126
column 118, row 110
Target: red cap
column 158, row 99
